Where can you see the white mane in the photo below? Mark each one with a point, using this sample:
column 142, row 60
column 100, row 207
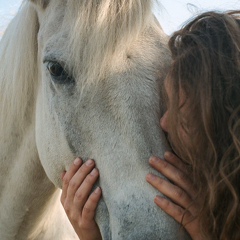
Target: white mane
column 18, row 72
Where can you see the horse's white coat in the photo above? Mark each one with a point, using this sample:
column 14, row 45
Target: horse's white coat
column 111, row 114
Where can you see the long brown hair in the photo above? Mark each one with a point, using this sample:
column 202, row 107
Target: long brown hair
column 206, row 67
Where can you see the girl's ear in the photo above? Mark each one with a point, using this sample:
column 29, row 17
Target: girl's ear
column 41, row 3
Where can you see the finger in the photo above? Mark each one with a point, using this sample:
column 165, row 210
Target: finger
column 83, row 192
column 178, row 213
column 177, row 162
column 62, row 175
column 90, row 207
column 170, row 190
column 173, row 174
column 78, row 178
column 67, row 176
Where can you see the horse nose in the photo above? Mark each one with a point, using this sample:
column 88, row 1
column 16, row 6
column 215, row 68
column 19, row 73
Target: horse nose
column 142, row 236
column 153, row 233
column 142, row 221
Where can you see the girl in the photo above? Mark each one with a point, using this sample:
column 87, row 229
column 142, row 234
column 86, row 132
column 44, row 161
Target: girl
column 203, row 126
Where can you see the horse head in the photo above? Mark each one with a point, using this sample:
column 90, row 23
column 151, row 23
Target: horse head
column 98, row 70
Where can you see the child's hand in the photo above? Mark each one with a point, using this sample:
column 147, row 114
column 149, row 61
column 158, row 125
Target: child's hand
column 78, row 201
column 180, row 191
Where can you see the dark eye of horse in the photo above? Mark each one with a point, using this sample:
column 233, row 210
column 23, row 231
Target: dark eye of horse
column 58, row 73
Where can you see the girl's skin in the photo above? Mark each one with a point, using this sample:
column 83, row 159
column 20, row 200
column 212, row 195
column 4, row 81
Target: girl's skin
column 80, row 204
column 80, row 208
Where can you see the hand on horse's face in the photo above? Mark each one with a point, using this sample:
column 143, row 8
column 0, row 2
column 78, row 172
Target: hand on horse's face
column 78, row 201
column 180, row 191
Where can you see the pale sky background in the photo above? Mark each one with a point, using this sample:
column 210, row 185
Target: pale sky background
column 171, row 15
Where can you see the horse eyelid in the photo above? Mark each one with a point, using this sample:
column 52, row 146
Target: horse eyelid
column 61, row 63
column 54, row 59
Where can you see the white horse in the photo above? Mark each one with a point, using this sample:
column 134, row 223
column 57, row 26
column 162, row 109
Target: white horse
column 82, row 78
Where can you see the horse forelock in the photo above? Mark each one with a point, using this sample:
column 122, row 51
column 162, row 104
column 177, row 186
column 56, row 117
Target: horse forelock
column 101, row 31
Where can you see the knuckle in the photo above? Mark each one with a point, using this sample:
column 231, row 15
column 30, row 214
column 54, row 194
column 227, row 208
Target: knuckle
column 93, row 199
column 89, row 179
column 167, row 204
column 173, row 158
column 84, row 170
column 66, row 180
column 66, row 207
column 87, row 210
column 175, row 211
column 83, row 224
column 160, row 181
column 181, row 177
column 73, row 217
column 78, row 196
column 179, row 213
column 164, row 164
column 72, row 184
column 179, row 193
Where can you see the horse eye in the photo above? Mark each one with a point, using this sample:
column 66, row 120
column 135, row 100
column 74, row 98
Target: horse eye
column 55, row 69
column 58, row 73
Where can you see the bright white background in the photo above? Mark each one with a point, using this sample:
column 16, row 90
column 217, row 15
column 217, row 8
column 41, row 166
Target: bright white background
column 172, row 14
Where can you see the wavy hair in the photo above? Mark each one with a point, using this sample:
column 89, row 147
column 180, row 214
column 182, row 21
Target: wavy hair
column 206, row 67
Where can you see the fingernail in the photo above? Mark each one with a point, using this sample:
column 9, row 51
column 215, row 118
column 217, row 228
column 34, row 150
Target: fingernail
column 77, row 161
column 94, row 172
column 153, row 159
column 158, row 199
column 151, row 176
column 97, row 190
column 89, row 162
column 168, row 155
